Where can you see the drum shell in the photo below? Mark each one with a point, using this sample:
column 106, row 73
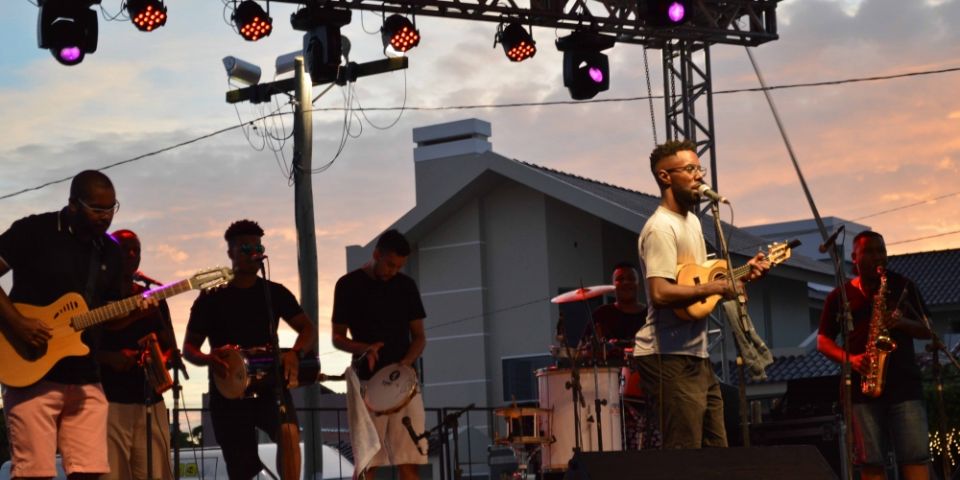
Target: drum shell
column 251, row 372
column 554, row 396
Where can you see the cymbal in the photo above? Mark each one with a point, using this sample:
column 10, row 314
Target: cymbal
column 584, row 293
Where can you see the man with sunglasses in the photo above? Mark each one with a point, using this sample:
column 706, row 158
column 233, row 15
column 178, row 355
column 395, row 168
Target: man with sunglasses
column 52, row 254
column 237, row 317
column 671, row 352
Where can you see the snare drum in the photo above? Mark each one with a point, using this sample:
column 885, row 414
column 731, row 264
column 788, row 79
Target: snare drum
column 525, row 425
column 390, row 389
column 251, row 372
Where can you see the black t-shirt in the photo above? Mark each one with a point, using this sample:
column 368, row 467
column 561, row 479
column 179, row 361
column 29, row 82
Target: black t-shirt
column 238, row 316
column 903, row 379
column 48, row 261
column 128, row 387
column 613, row 323
column 378, row 311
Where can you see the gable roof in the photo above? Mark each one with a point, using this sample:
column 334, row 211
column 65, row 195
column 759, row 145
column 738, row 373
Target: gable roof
column 934, row 273
column 467, row 175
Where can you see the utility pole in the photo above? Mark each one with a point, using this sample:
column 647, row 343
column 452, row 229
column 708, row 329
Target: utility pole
column 306, row 241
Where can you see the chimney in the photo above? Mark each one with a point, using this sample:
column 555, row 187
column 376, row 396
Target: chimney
column 463, row 137
column 448, row 156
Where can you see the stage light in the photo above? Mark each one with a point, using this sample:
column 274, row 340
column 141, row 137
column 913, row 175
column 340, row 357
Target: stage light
column 252, row 22
column 67, row 28
column 147, row 15
column 666, row 13
column 586, row 71
column 399, row 34
column 322, row 44
column 517, row 43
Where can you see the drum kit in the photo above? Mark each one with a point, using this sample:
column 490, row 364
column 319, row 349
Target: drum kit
column 581, row 400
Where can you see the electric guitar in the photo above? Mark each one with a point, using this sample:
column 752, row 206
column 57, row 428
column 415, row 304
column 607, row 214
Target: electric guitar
column 22, row 364
column 692, row 274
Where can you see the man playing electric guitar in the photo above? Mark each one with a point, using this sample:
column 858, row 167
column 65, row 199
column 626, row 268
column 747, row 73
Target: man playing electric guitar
column 52, row 254
column 671, row 352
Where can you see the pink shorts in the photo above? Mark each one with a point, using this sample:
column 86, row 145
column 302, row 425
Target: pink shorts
column 33, row 416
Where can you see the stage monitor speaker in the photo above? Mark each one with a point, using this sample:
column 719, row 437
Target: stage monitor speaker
column 795, row 462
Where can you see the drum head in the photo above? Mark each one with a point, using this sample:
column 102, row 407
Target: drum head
column 234, row 385
column 390, row 389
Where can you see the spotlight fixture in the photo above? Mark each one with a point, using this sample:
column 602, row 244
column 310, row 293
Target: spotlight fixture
column 586, row 71
column 68, row 29
column 517, row 43
column 666, row 13
column 399, row 33
column 147, row 15
column 252, row 22
column 322, row 43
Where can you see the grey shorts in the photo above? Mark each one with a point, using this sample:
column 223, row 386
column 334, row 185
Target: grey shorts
column 878, row 426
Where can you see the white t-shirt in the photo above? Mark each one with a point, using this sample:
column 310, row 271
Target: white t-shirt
column 667, row 241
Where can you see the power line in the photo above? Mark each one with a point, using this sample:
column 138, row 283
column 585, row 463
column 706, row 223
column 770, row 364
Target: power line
column 501, row 105
column 914, row 204
column 917, row 239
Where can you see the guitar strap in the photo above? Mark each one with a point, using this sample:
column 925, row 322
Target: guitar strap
column 92, row 271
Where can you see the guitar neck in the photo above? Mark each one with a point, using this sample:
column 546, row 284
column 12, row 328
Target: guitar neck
column 741, row 271
column 122, row 308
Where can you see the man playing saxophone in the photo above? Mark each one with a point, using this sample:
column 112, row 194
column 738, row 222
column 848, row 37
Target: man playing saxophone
column 887, row 396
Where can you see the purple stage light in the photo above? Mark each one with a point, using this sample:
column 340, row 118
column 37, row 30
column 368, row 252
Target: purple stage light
column 595, row 74
column 70, row 54
column 676, row 12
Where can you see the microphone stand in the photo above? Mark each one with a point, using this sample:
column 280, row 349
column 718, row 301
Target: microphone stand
column 450, row 421
column 741, row 318
column 278, row 385
column 935, row 347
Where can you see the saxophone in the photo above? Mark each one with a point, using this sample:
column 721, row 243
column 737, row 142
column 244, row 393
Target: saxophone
column 879, row 343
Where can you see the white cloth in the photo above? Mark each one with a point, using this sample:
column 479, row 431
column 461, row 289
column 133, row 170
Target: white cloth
column 667, row 241
column 363, row 433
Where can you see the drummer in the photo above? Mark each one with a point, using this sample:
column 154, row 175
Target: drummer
column 616, row 325
column 237, row 317
column 381, row 309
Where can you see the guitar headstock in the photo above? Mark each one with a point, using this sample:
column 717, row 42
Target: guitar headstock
column 211, row 278
column 779, row 252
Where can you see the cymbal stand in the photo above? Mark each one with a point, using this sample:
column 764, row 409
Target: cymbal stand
column 573, row 385
column 597, row 348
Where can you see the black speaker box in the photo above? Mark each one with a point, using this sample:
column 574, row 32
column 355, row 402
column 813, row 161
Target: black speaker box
column 799, row 462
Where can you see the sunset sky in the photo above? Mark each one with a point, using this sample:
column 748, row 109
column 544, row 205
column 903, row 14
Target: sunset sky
column 865, row 148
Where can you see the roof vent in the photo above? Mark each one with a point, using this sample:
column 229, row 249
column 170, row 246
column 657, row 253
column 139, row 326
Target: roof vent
column 463, row 137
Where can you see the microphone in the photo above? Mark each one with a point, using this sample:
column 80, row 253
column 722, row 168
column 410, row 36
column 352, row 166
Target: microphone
column 140, row 277
column 705, row 190
column 257, row 257
column 413, row 435
column 831, row 240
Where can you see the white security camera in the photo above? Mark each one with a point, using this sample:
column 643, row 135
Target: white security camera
column 242, row 71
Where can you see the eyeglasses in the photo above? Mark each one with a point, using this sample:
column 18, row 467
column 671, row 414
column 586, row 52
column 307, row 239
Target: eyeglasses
column 689, row 169
column 102, row 211
column 249, row 248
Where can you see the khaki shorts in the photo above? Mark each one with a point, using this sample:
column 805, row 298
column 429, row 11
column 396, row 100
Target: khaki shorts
column 127, row 439
column 33, row 414
column 397, row 446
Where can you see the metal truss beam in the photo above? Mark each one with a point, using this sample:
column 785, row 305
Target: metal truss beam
column 688, row 98
column 735, row 22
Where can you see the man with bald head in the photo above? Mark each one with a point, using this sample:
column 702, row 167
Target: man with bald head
column 52, row 254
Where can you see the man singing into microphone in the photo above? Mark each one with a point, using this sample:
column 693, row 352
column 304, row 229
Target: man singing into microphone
column 382, row 310
column 671, row 353
column 237, row 317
